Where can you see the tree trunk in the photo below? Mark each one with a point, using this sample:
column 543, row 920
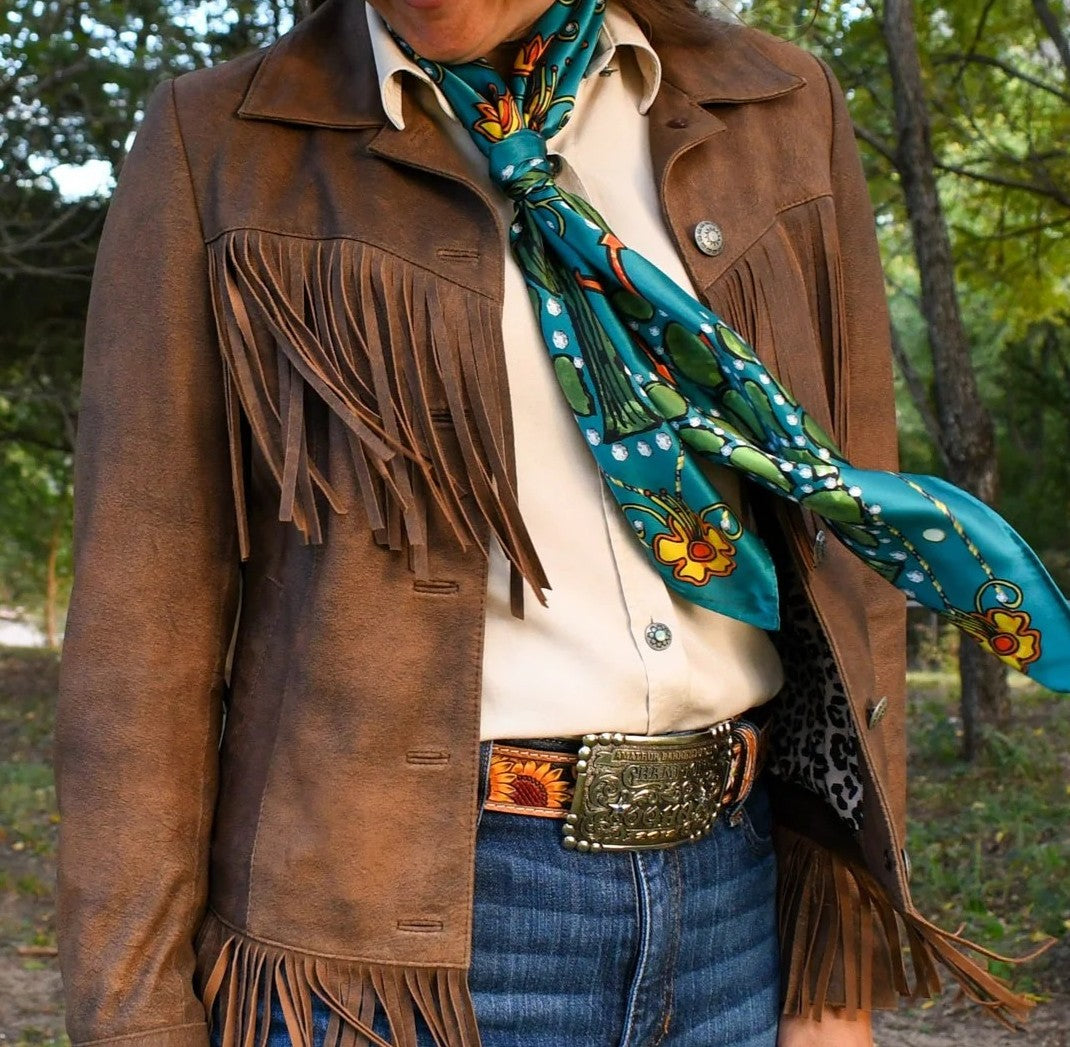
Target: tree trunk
column 1050, row 21
column 967, row 434
column 52, row 588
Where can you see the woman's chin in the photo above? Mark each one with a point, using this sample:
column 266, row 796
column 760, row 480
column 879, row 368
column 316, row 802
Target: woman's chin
column 455, row 31
column 441, row 44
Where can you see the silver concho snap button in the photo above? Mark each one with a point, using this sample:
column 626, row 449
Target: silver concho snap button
column 877, row 712
column 709, row 237
column 658, row 636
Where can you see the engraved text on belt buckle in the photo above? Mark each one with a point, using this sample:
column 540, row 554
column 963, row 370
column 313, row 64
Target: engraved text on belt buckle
column 634, row 792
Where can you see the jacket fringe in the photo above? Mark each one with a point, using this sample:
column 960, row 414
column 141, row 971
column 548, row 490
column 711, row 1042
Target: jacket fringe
column 838, row 928
column 373, row 338
column 240, row 974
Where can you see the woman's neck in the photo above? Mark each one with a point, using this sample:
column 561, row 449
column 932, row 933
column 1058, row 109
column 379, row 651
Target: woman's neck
column 502, row 57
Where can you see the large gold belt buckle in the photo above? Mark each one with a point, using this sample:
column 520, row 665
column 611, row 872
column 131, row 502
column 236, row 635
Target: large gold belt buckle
column 636, row 791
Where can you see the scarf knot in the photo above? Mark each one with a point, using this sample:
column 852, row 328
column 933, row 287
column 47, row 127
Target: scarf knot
column 519, row 164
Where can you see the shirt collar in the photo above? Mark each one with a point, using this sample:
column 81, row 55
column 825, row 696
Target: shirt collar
column 619, row 30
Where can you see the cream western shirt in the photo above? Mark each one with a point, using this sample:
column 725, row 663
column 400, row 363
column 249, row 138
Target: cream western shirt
column 614, row 650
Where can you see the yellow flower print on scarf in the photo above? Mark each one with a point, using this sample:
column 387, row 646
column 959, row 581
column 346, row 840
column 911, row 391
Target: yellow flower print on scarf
column 501, row 117
column 1007, row 635
column 530, row 54
column 695, row 550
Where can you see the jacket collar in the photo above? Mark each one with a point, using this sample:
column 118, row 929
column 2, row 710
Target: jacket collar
column 322, row 72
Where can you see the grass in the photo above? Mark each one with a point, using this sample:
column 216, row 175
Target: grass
column 28, row 803
column 31, row 1036
column 989, row 841
column 28, row 816
column 28, row 826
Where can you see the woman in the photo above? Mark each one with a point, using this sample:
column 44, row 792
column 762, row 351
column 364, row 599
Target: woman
column 322, row 448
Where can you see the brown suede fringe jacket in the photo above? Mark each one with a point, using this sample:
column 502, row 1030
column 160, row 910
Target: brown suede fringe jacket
column 294, row 446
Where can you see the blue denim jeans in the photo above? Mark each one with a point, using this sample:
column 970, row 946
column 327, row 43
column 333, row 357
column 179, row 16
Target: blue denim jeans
column 674, row 947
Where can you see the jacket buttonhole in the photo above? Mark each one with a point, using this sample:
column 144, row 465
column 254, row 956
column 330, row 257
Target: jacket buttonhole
column 457, row 254
column 421, row 926
column 427, row 757
column 436, row 586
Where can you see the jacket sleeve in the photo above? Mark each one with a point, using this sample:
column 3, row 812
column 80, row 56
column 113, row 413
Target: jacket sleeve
column 839, row 932
column 151, row 615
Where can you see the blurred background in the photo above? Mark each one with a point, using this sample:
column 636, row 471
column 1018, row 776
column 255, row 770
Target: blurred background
column 962, row 112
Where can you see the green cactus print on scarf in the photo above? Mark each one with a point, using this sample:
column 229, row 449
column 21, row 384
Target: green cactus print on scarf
column 656, row 381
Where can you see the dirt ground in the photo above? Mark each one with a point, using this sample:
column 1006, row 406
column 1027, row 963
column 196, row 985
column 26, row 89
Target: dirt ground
column 30, row 1008
column 947, row 1023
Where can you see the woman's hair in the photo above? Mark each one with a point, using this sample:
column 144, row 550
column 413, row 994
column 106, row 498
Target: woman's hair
column 670, row 21
column 664, row 21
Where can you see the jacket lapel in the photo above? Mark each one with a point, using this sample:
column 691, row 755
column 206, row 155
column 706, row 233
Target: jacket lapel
column 320, row 73
column 733, row 71
column 684, row 116
column 420, row 145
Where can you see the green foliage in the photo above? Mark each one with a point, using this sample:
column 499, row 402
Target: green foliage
column 35, row 493
column 41, row 343
column 1033, row 407
column 987, row 840
column 76, row 74
column 999, row 103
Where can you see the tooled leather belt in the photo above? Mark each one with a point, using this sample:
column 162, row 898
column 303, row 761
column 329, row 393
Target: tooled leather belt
column 629, row 791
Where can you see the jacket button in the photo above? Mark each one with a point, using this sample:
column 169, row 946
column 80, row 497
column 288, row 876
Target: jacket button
column 876, row 712
column 658, row 636
column 709, row 237
column 820, row 545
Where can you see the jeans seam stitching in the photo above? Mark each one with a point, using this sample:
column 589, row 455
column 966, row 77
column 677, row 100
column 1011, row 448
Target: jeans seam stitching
column 642, row 897
column 676, row 896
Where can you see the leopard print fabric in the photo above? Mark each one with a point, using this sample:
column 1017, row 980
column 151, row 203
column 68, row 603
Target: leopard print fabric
column 813, row 741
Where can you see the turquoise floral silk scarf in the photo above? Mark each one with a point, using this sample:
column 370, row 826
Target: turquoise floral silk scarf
column 657, row 381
